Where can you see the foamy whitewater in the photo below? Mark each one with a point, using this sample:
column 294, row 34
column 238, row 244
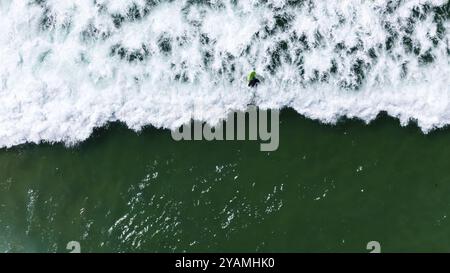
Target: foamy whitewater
column 67, row 67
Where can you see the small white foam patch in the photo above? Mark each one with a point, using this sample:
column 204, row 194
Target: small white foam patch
column 55, row 87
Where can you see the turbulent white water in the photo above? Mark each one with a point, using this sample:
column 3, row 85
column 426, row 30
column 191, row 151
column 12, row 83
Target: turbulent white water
column 67, row 67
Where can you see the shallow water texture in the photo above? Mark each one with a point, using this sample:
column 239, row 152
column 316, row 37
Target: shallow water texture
column 326, row 189
column 68, row 67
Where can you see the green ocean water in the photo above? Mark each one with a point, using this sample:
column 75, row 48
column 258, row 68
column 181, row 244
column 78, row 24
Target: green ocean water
column 326, row 189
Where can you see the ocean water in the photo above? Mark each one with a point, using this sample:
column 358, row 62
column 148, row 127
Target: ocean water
column 68, row 67
column 326, row 189
column 90, row 90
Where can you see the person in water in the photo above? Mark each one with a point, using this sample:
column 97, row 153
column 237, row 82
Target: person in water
column 252, row 79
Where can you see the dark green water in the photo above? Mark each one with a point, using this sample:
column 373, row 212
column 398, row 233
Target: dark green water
column 326, row 189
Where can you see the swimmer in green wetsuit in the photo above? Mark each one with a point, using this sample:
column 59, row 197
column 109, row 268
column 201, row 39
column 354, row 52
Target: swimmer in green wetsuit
column 253, row 81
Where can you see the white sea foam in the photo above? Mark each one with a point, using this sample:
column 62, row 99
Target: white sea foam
column 67, row 67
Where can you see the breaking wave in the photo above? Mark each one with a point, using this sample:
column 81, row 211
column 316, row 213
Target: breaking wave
column 67, row 67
